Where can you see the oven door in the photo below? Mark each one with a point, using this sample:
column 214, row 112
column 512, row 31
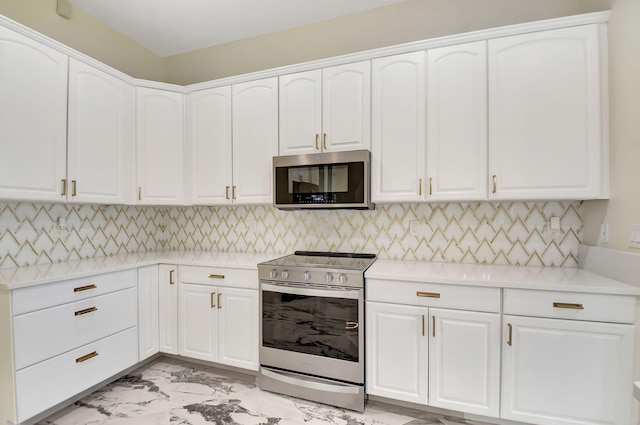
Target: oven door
column 313, row 331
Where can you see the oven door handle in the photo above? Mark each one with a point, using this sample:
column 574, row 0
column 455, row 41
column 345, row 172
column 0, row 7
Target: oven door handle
column 351, row 325
column 352, row 294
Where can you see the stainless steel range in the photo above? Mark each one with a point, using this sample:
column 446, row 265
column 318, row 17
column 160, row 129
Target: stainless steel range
column 312, row 327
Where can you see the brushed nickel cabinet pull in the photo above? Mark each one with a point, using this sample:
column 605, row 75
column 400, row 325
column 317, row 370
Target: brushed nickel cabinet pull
column 324, row 141
column 171, row 280
column 428, row 294
column 510, row 340
column 226, row 192
column 139, row 193
column 569, row 305
column 213, row 303
column 423, row 325
column 86, row 357
column 84, row 288
column 433, row 326
column 216, row 276
column 430, row 186
column 85, row 311
column 317, row 139
column 219, row 303
column 64, row 187
column 495, row 183
column 233, row 192
column 420, row 187
column 74, row 190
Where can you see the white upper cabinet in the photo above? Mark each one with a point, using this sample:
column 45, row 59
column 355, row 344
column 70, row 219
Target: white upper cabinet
column 255, row 140
column 210, row 146
column 398, row 128
column 160, row 146
column 326, row 110
column 547, row 115
column 33, row 119
column 457, row 122
column 301, row 113
column 100, row 141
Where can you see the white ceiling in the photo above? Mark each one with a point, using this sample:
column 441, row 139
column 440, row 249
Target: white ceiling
column 169, row 27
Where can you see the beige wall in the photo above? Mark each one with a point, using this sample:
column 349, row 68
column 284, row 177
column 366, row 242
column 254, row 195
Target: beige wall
column 411, row 20
column 86, row 34
column 623, row 207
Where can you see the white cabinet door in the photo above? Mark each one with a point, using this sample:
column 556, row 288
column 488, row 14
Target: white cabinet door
column 198, row 321
column 398, row 128
column 148, row 312
column 100, row 143
column 255, row 140
column 566, row 372
column 160, row 146
column 457, row 122
column 547, row 138
column 300, row 112
column 168, row 308
column 326, row 110
column 238, row 327
column 397, row 351
column 346, row 107
column 210, row 159
column 33, row 119
column 464, row 361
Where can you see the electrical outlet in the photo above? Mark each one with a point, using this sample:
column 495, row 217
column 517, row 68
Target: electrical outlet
column 604, row 233
column 553, row 228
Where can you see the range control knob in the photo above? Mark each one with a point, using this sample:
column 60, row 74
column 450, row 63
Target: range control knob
column 273, row 273
column 285, row 274
column 307, row 276
column 342, row 279
column 328, row 277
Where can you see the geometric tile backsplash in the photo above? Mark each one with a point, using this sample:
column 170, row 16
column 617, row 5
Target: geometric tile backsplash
column 510, row 233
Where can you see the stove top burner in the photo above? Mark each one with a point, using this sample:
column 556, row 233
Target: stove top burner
column 316, row 259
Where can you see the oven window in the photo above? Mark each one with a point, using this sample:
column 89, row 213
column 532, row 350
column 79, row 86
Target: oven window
column 314, row 325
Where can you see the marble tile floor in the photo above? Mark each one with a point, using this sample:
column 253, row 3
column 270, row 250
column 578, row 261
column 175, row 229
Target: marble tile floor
column 170, row 391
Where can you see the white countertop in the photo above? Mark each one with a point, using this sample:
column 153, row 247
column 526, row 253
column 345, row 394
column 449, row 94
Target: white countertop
column 542, row 278
column 556, row 279
column 35, row 275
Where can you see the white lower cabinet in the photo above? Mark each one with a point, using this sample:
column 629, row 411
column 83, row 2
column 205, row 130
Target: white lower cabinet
column 69, row 336
column 397, row 352
column 464, row 361
column 148, row 312
column 43, row 385
column 558, row 371
column 168, row 308
column 219, row 323
column 441, row 357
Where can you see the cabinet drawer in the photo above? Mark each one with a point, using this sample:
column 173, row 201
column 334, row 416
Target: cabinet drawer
column 219, row 276
column 43, row 334
column 48, row 383
column 51, row 294
column 460, row 297
column 570, row 305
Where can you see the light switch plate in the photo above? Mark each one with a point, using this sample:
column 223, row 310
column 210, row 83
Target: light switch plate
column 634, row 235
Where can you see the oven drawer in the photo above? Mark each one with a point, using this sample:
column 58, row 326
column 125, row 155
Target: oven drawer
column 570, row 305
column 460, row 297
column 219, row 276
column 51, row 294
column 46, row 333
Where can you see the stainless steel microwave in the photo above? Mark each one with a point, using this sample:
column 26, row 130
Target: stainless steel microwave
column 323, row 180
